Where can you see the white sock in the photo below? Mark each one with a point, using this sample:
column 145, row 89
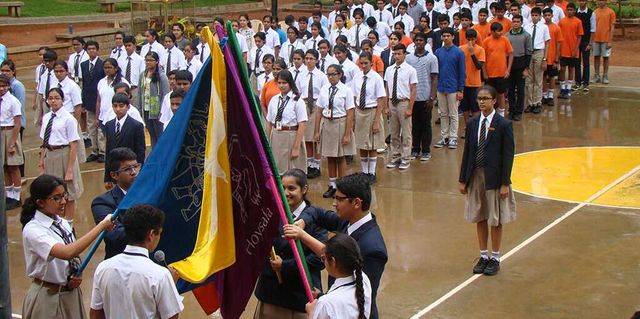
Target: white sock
column 484, row 254
column 16, row 192
column 8, row 190
column 551, row 94
column 495, row 255
column 372, row 165
column 316, row 163
column 309, row 161
column 332, row 182
column 364, row 162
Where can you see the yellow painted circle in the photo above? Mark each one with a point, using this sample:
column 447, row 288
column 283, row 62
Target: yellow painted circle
column 608, row 176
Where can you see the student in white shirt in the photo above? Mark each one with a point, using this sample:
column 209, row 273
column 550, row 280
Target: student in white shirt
column 349, row 69
column 245, row 30
column 292, row 44
column 313, row 42
column 297, row 66
column 325, row 59
column 51, row 250
column 405, row 18
column 367, row 9
column 193, row 65
column 377, row 48
column 130, row 284
column 72, row 92
column 339, row 30
column 382, row 14
column 151, row 35
column 204, row 51
column 133, row 111
column 179, row 80
column 382, row 30
column 79, row 56
column 264, row 77
column 242, row 42
column 40, row 71
column 104, row 111
column 359, row 31
column 173, row 58
column 118, row 51
column 334, row 126
column 256, row 56
column 131, row 64
column 10, row 124
column 336, row 11
column 272, row 38
column 558, row 13
column 350, row 294
column 448, row 9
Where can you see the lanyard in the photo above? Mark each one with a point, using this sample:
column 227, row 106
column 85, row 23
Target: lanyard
column 135, row 254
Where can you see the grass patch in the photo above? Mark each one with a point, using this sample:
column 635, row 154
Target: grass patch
column 47, row 8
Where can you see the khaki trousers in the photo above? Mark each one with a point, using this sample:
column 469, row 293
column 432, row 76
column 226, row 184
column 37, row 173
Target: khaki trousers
column 448, row 109
column 98, row 140
column 533, row 84
column 400, row 129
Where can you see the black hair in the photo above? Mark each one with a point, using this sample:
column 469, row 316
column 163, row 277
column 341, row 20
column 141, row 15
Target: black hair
column 536, row 10
column 571, row 5
column 184, row 75
column 517, row 16
column 268, row 17
column 547, row 10
column 358, row 11
column 170, row 36
column 41, row 188
column 155, row 77
column 118, row 33
column 122, row 85
column 153, row 33
column 340, row 48
column 300, row 178
column 62, row 64
column 342, row 39
column 281, row 63
column 342, row 16
column 420, row 35
column 471, row 33
column 79, row 39
column 45, row 48
column 366, row 55
column 58, row 90
column 400, row 46
column 139, row 220
column 483, row 10
column 177, row 93
column 11, row 65
column 499, row 6
column 94, row 43
column 260, row 35
column 120, row 98
column 356, row 186
column 179, row 26
column 299, row 52
column 443, row 17
column 496, row 26
column 119, row 155
column 339, row 70
column 289, row 19
column 372, row 22
column 313, row 52
column 268, row 57
column 285, row 75
column 457, row 15
column 172, row 72
column 429, row 2
column 398, row 35
column 424, row 16
column 114, row 62
column 403, row 4
column 465, row 15
column 129, row 39
column 492, row 91
column 246, row 17
column 346, row 252
column 295, row 31
column 366, row 42
column 325, row 41
column 448, row 30
column 193, row 47
column 375, row 34
column 400, row 24
column 320, row 29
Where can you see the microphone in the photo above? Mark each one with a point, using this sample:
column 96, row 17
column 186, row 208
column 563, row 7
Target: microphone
column 159, row 257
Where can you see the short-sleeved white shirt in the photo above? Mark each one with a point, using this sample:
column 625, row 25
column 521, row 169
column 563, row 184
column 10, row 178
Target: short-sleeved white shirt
column 272, row 38
column 310, row 42
column 408, row 22
column 542, row 34
column 130, row 285
column 72, row 94
column 340, row 300
column 384, row 31
column 177, row 59
column 242, row 41
column 194, row 66
column 362, row 34
column 106, row 93
column 82, row 56
column 165, row 109
column 335, row 33
column 350, row 69
column 387, row 17
column 319, row 81
column 342, row 101
column 262, row 80
column 11, row 107
column 288, row 48
column 260, row 55
column 294, row 112
column 42, row 85
column 406, row 75
column 64, row 129
column 204, row 51
column 155, row 47
column 38, row 238
column 374, row 89
column 328, row 61
column 137, row 67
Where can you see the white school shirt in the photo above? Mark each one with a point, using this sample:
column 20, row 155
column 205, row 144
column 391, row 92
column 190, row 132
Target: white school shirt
column 203, row 52
column 244, row 47
column 383, row 16
column 365, row 219
column 38, row 238
column 287, row 48
column 118, row 52
column 525, row 11
column 193, row 66
column 131, row 285
column 350, row 69
column 252, row 57
column 262, row 79
column 319, row 81
column 273, row 39
column 406, row 75
column 82, row 56
column 408, row 22
column 137, row 66
column 377, row 50
column 592, row 18
column 297, row 72
column 375, row 88
column 40, row 70
column 335, row 33
column 362, row 34
column 487, row 125
column 72, row 94
column 450, row 12
column 132, row 112
column 384, row 31
column 155, row 47
column 558, row 14
column 367, row 8
column 64, row 129
column 10, row 108
column 342, row 101
column 53, row 82
column 328, row 61
column 542, row 34
column 295, row 112
column 395, row 11
column 165, row 110
column 313, row 41
column 177, row 60
column 332, row 17
column 106, row 93
column 340, row 300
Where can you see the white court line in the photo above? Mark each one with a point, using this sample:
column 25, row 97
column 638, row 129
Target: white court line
column 15, row 315
column 526, row 242
column 81, row 172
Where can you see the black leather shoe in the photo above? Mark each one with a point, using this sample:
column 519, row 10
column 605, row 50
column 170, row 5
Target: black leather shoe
column 329, row 193
column 313, row 172
column 12, row 203
column 372, row 178
column 100, row 158
column 480, row 266
column 537, row 109
column 493, row 266
column 92, row 158
column 516, row 117
column 528, row 109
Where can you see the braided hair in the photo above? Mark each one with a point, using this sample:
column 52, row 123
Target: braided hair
column 344, row 249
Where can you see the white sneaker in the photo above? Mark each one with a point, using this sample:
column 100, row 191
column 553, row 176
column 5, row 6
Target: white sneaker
column 453, row 144
column 441, row 143
column 404, row 165
column 393, row 163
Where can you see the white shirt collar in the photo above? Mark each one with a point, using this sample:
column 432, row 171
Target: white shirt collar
column 353, row 227
column 43, row 219
column 489, row 117
column 341, row 281
column 121, row 121
column 296, row 213
column 583, row 11
column 136, row 250
column 122, row 190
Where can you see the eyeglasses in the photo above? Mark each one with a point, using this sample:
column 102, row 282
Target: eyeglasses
column 484, row 98
column 59, row 198
column 129, row 169
column 341, row 198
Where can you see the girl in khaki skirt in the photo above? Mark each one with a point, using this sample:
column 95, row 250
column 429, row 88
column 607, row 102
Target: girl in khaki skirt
column 286, row 121
column 58, row 153
column 51, row 252
column 334, row 126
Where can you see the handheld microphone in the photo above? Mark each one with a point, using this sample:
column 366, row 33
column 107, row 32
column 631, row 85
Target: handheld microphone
column 159, row 257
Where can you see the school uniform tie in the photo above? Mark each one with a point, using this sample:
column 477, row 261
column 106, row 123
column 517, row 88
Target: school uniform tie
column 127, row 72
column 332, row 95
column 310, row 94
column 117, row 131
column 67, row 237
column 168, row 62
column 202, row 52
column 322, row 65
column 358, row 39
column 47, row 85
column 295, row 77
column 47, row 130
column 394, row 89
column 481, row 154
column 363, row 93
column 76, row 65
column 314, row 44
column 266, row 79
column 281, row 105
column 42, row 69
column 257, row 62
column 119, row 53
column 533, row 37
column 380, row 16
column 91, row 66
column 291, row 54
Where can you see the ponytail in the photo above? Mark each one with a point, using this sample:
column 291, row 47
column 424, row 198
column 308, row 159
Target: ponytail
column 344, row 249
column 28, row 211
column 360, row 291
column 40, row 188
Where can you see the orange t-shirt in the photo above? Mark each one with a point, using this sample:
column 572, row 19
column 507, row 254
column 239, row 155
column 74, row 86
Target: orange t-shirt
column 378, row 65
column 571, row 28
column 405, row 40
column 463, row 37
column 484, row 30
column 474, row 76
column 563, row 6
column 497, row 51
column 555, row 38
column 605, row 18
column 269, row 90
column 506, row 24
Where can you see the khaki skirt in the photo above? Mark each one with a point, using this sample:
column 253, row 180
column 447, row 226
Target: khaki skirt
column 17, row 157
column 282, row 144
column 365, row 138
column 55, row 163
column 269, row 311
column 486, row 204
column 40, row 303
column 309, row 131
column 331, row 133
